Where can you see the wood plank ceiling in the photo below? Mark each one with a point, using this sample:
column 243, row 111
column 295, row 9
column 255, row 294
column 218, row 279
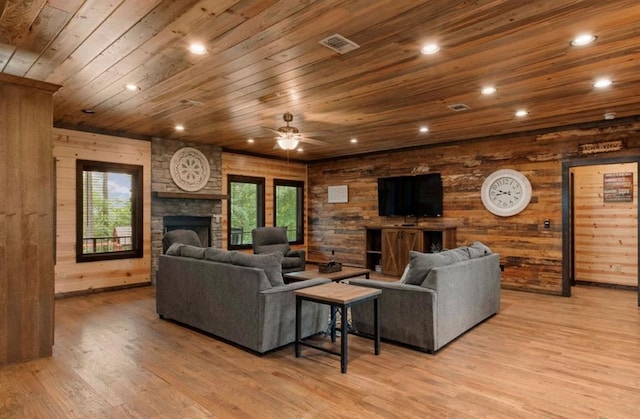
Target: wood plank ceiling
column 264, row 58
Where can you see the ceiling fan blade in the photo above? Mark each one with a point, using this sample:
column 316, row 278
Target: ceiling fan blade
column 272, row 130
column 314, row 141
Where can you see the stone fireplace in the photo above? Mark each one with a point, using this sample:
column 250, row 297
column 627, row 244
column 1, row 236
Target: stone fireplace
column 172, row 208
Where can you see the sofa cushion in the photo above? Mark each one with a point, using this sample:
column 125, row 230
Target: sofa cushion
column 456, row 255
column 189, row 251
column 218, row 255
column 276, row 247
column 174, row 249
column 478, row 249
column 271, row 263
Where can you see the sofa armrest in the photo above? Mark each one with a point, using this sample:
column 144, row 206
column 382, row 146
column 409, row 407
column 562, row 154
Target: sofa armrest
column 407, row 313
column 301, row 253
column 468, row 292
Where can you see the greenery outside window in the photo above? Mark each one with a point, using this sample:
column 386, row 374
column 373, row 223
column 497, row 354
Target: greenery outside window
column 109, row 220
column 245, row 209
column 288, row 204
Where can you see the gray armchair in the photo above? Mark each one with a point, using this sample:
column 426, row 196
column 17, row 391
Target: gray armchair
column 274, row 239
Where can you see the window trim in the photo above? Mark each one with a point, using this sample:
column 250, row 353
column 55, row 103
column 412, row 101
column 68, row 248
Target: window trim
column 300, row 198
column 137, row 205
column 260, row 202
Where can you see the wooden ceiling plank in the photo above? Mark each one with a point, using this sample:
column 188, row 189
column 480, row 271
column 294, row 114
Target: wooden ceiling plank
column 113, row 26
column 45, row 28
column 87, row 17
column 17, row 18
column 86, row 85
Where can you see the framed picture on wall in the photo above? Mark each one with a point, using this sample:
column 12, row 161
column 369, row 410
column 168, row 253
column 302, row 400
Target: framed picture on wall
column 618, row 187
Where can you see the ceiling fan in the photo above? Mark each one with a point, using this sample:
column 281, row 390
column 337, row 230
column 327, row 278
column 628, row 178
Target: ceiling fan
column 289, row 137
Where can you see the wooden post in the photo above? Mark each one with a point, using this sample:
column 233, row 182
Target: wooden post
column 26, row 219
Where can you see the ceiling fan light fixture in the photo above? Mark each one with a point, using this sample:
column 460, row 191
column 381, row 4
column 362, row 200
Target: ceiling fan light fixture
column 288, row 143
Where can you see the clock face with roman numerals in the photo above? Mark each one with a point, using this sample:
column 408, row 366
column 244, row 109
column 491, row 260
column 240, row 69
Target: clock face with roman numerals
column 506, row 192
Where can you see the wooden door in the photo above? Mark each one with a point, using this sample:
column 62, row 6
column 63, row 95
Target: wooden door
column 396, row 244
column 390, row 251
column 409, row 240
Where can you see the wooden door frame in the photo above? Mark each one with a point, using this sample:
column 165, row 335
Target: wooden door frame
column 566, row 213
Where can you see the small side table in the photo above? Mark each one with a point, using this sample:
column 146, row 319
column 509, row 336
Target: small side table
column 338, row 295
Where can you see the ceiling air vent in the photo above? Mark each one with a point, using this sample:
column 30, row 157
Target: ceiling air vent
column 339, row 43
column 457, row 107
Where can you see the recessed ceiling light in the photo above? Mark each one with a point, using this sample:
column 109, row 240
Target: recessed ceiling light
column 489, row 90
column 197, row 48
column 179, row 127
column 300, row 150
column 430, row 49
column 354, row 140
column 89, row 111
column 424, row 129
column 251, row 141
column 520, row 113
column 583, row 39
column 132, row 87
column 602, row 83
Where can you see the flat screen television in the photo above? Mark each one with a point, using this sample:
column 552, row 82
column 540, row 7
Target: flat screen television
column 415, row 196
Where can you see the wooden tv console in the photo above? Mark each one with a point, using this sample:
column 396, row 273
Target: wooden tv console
column 389, row 246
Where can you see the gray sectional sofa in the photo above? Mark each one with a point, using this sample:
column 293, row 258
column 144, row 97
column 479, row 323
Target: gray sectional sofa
column 235, row 296
column 440, row 296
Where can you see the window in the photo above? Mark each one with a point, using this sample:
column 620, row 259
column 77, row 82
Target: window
column 288, row 204
column 108, row 211
column 245, row 209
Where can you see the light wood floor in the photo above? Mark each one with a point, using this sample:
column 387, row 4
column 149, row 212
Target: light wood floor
column 541, row 356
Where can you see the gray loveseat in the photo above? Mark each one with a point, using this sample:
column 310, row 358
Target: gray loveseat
column 235, row 296
column 440, row 296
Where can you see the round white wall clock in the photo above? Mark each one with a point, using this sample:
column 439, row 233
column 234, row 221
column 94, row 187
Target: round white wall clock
column 506, row 192
column 189, row 169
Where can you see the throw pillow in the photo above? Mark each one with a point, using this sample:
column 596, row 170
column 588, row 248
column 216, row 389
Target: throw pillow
column 403, row 278
column 420, row 264
column 271, row 263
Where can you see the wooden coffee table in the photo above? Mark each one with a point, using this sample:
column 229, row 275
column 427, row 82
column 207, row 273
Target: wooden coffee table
column 345, row 273
column 337, row 295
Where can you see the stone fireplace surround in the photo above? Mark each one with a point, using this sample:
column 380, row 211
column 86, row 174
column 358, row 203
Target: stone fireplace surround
column 167, row 199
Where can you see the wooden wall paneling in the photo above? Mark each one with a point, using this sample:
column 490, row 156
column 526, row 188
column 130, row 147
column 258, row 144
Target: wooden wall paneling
column 606, row 241
column 26, row 219
column 531, row 254
column 68, row 147
column 269, row 169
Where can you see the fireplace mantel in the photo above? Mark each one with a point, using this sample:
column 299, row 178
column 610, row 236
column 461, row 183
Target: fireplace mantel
column 186, row 195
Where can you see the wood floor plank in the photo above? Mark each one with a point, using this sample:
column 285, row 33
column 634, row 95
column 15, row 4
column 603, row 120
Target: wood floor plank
column 541, row 356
